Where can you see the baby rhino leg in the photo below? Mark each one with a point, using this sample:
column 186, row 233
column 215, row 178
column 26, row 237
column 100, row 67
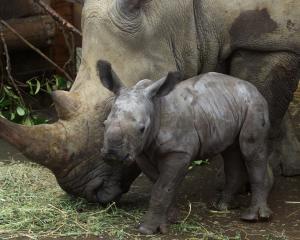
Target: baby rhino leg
column 235, row 178
column 253, row 144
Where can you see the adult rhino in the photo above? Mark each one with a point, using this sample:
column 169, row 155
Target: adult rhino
column 256, row 40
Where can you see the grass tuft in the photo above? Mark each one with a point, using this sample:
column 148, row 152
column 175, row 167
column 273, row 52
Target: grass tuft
column 33, row 205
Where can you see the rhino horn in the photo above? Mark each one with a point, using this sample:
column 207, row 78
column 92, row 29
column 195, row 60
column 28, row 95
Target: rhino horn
column 40, row 143
column 66, row 103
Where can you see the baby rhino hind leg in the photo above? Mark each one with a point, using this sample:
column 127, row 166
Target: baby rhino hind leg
column 253, row 145
column 235, row 178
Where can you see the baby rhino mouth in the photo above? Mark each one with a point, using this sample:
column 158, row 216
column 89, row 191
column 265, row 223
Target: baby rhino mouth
column 116, row 158
column 128, row 159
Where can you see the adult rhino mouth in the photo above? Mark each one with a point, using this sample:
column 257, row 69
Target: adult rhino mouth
column 109, row 192
column 113, row 187
column 118, row 183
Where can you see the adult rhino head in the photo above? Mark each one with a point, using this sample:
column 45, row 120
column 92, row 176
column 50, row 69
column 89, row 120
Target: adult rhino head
column 70, row 147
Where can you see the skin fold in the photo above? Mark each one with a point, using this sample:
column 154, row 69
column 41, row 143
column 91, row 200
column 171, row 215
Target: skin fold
column 164, row 130
column 257, row 40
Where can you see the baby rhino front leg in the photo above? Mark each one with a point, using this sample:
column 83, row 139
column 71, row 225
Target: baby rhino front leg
column 253, row 145
column 173, row 167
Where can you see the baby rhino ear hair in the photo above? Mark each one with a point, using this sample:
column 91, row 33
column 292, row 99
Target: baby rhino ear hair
column 76, row 1
column 164, row 86
column 108, row 77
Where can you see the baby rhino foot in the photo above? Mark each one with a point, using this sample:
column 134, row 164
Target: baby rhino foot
column 221, row 204
column 153, row 223
column 257, row 213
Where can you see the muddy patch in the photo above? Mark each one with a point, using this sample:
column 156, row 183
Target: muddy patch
column 252, row 24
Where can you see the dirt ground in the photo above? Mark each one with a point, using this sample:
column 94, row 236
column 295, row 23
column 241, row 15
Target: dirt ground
column 198, row 190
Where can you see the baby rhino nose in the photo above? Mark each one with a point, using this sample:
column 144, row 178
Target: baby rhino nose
column 114, row 137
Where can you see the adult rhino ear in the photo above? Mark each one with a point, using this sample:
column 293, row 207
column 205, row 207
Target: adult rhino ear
column 131, row 6
column 108, row 77
column 76, row 1
column 164, row 86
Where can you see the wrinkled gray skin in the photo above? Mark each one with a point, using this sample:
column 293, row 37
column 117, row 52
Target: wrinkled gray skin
column 164, row 130
column 257, row 40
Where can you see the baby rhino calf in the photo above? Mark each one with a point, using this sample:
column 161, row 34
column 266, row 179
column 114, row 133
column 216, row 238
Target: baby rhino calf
column 163, row 126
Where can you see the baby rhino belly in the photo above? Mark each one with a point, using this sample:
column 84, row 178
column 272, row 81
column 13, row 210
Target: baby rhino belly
column 217, row 126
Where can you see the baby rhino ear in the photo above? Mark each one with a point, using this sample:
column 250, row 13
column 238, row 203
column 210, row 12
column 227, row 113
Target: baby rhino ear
column 164, row 86
column 108, row 77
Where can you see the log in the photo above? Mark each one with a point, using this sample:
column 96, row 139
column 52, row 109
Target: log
column 19, row 8
column 38, row 30
column 27, row 64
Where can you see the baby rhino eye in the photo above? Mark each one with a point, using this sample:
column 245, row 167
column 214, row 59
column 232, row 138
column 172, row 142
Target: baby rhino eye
column 142, row 129
column 104, row 123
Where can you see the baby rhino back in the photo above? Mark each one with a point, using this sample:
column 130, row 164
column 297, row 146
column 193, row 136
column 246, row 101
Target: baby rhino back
column 221, row 104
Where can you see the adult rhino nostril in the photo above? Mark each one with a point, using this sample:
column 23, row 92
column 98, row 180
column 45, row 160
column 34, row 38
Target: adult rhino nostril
column 103, row 153
column 126, row 157
column 108, row 192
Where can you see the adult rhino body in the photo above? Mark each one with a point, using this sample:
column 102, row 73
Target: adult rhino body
column 255, row 40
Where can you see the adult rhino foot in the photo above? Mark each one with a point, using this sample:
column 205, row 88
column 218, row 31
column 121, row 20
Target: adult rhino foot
column 285, row 158
column 152, row 229
column 256, row 213
column 173, row 214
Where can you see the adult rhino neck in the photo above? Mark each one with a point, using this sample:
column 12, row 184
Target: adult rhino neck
column 208, row 36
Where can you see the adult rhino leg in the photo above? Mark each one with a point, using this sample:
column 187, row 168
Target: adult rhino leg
column 288, row 143
column 276, row 75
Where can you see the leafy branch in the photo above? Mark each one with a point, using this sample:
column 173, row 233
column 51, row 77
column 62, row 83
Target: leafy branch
column 14, row 94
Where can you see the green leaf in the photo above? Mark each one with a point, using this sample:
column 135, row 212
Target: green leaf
column 34, row 85
column 5, row 103
column 49, row 89
column 30, row 86
column 21, row 111
column 200, row 162
column 60, row 82
column 38, row 87
column 69, row 84
column 12, row 116
column 2, row 98
column 10, row 93
column 39, row 120
column 1, row 115
column 28, row 121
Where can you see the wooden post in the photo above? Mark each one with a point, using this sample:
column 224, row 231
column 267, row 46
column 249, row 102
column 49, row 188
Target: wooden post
column 38, row 30
column 19, row 8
